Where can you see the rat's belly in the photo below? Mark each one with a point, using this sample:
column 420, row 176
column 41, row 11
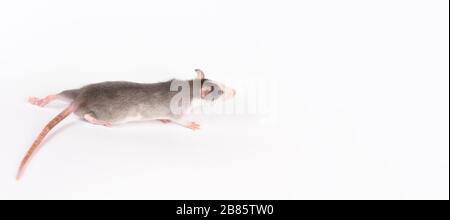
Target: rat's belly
column 132, row 119
column 142, row 113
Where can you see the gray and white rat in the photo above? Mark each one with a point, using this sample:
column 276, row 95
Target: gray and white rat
column 111, row 103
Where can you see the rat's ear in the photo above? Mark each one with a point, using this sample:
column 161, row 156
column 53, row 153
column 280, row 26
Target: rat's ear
column 200, row 74
column 204, row 92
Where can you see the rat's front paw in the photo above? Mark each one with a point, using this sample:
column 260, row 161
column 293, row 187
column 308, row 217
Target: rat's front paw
column 192, row 125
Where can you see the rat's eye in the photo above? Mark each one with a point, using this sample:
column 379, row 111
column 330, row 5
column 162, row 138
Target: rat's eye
column 217, row 90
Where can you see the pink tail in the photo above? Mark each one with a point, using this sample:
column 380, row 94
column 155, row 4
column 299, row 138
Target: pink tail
column 41, row 137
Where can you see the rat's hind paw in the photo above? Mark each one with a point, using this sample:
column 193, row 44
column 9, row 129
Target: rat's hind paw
column 42, row 102
column 36, row 101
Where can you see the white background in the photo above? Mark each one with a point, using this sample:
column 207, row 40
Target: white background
column 363, row 99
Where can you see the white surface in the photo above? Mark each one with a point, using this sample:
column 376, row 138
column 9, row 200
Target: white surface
column 363, row 99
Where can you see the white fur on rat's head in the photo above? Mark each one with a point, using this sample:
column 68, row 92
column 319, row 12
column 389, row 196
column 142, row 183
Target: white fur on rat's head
column 212, row 90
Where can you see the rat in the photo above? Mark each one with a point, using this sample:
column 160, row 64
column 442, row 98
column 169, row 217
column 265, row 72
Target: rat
column 113, row 103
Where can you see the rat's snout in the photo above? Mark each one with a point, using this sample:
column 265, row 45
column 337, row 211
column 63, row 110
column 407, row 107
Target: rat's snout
column 229, row 93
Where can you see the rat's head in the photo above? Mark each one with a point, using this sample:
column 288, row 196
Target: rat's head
column 212, row 90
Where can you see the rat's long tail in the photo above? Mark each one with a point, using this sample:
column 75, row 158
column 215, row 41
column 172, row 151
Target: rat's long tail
column 42, row 135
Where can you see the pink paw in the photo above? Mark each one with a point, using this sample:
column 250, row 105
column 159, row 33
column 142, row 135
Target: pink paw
column 37, row 101
column 192, row 125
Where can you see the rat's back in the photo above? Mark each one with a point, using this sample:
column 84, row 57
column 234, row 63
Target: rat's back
column 118, row 102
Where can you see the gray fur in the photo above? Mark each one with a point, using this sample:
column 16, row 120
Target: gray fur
column 114, row 102
column 117, row 101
